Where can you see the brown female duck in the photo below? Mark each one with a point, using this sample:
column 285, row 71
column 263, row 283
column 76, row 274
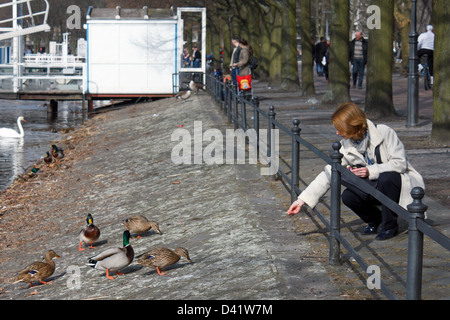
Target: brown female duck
column 140, row 224
column 89, row 234
column 161, row 258
column 38, row 271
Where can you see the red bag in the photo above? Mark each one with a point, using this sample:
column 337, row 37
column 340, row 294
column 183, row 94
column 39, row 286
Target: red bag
column 244, row 82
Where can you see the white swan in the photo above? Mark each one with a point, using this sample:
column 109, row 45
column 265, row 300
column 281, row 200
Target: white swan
column 11, row 133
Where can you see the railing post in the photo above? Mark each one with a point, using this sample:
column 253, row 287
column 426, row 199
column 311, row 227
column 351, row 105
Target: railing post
column 219, row 94
column 271, row 126
column 335, row 212
column 225, row 96
column 415, row 245
column 215, row 89
column 235, row 113
column 243, row 110
column 295, row 159
column 219, row 87
column 230, row 101
column 255, row 101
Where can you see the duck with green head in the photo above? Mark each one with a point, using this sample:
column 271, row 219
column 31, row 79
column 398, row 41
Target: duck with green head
column 48, row 159
column 89, row 234
column 114, row 259
column 57, row 153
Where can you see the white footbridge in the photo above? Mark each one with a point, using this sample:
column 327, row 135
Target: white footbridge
column 38, row 76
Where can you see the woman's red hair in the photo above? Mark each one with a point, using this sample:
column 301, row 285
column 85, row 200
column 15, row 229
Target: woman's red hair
column 350, row 121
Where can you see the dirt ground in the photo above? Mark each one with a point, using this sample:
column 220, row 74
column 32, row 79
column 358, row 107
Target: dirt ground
column 18, row 203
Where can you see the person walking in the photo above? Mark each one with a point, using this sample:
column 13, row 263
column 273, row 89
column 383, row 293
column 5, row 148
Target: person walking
column 425, row 45
column 244, row 65
column 358, row 58
column 197, row 57
column 244, row 58
column 319, row 52
column 389, row 167
column 234, row 60
column 326, row 61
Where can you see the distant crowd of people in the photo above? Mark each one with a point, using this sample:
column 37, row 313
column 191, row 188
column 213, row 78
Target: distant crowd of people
column 358, row 55
column 194, row 60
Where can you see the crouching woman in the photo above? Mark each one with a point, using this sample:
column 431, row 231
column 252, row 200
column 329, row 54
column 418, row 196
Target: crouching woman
column 374, row 152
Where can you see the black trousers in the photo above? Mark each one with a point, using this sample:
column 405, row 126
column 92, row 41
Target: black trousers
column 388, row 183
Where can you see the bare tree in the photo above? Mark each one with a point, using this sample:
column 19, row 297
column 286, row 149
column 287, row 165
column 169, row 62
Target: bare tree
column 307, row 49
column 379, row 101
column 338, row 84
column 289, row 79
column 441, row 86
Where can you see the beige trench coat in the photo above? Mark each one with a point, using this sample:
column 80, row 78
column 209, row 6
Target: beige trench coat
column 393, row 156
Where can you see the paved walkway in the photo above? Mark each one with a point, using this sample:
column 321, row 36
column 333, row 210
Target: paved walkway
column 242, row 244
column 231, row 219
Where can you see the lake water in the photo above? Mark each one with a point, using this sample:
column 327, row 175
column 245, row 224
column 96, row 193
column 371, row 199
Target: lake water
column 41, row 129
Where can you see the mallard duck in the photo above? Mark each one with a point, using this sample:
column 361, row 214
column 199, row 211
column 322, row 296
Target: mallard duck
column 140, row 224
column 28, row 175
column 38, row 271
column 114, row 259
column 48, row 159
column 89, row 234
column 161, row 258
column 33, row 172
column 57, row 153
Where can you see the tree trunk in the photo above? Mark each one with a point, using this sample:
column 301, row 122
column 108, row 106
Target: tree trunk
column 264, row 56
column 214, row 30
column 244, row 11
column 307, row 49
column 379, row 101
column 227, row 47
column 275, row 48
column 289, row 75
column 339, row 73
column 254, row 29
column 441, row 86
column 403, row 18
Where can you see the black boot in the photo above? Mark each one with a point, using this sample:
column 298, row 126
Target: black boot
column 387, row 234
column 371, row 228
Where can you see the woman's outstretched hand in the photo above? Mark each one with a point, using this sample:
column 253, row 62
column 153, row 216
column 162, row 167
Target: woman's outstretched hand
column 295, row 207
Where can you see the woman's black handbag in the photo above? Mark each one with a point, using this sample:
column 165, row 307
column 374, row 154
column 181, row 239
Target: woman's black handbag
column 354, row 188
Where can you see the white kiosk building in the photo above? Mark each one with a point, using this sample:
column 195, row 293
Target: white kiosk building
column 136, row 52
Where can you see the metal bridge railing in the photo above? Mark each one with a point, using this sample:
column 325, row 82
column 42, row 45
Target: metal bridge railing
column 235, row 106
column 9, row 32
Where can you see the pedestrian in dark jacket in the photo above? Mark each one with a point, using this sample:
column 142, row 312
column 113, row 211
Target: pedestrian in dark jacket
column 320, row 50
column 358, row 58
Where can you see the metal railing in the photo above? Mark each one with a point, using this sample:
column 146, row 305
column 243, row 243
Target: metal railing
column 9, row 32
column 235, row 105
